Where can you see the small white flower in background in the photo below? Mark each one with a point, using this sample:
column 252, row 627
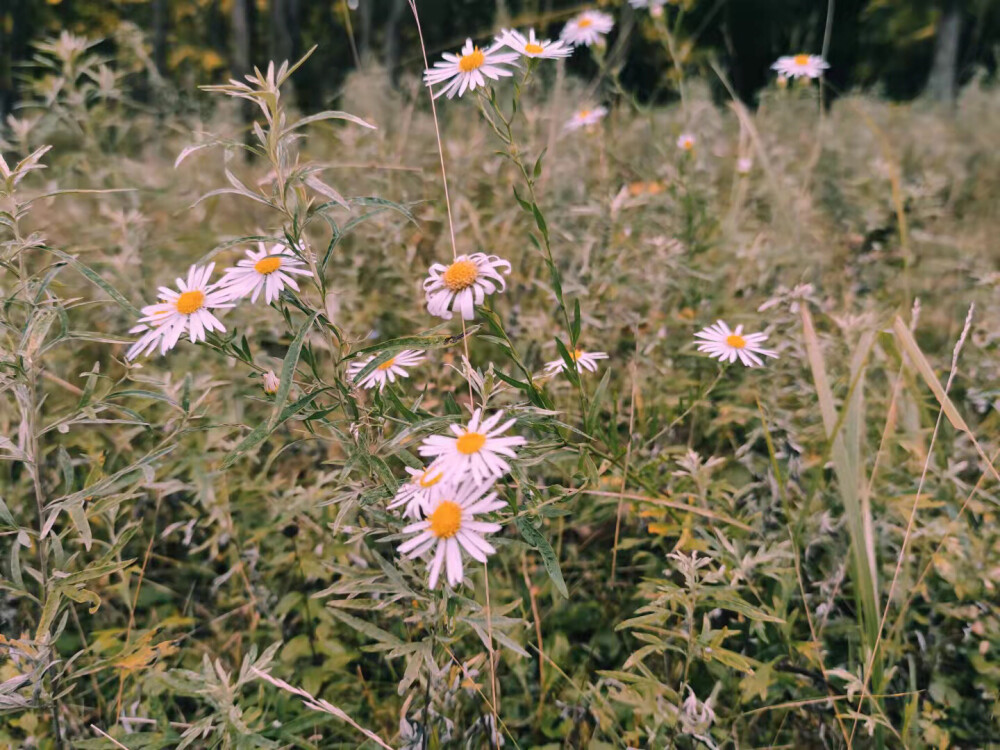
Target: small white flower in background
column 655, row 6
column 584, row 361
column 271, row 382
column 450, row 527
column 587, row 28
column 415, row 496
column 387, row 372
column 469, row 69
column 267, row 270
column 725, row 344
column 584, row 118
column 799, row 66
column 685, row 142
column 744, row 164
column 180, row 311
column 476, row 449
column 463, row 284
column 531, row 46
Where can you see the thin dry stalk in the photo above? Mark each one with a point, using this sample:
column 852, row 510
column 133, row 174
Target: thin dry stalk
column 912, row 516
column 318, row 704
column 628, row 459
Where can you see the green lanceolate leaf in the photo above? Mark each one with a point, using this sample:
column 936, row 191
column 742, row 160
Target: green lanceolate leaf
column 288, row 371
column 537, row 539
column 260, row 433
column 91, row 275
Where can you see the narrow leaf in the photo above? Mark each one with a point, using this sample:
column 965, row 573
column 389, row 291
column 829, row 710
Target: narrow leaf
column 288, row 371
column 537, row 539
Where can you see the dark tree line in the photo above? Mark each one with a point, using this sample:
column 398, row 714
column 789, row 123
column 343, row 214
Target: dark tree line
column 901, row 48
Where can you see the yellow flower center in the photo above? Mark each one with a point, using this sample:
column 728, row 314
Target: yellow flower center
column 583, row 114
column 470, row 443
column 801, row 60
column 736, row 341
column 687, row 144
column 190, row 302
column 460, row 275
column 267, row 265
column 386, row 365
column 534, row 49
column 583, row 23
column 471, row 61
column 429, row 481
column 576, row 355
column 446, row 520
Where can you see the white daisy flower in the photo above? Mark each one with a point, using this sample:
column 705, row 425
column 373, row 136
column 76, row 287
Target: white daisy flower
column 686, row 141
column 476, row 449
column 265, row 270
column 587, row 28
column 584, row 361
column 180, row 311
column 469, row 69
column 530, row 46
column 450, row 527
column 464, row 283
column 799, row 66
column 720, row 342
column 388, row 371
column 424, row 487
column 271, row 383
column 584, row 118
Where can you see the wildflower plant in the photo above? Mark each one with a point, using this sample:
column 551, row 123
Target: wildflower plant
column 377, row 489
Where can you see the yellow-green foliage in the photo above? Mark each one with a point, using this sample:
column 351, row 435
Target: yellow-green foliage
column 692, row 554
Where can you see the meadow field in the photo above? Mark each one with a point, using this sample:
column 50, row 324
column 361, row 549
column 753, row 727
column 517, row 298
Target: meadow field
column 388, row 503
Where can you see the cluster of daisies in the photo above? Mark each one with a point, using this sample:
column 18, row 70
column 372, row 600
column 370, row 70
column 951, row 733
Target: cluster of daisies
column 470, row 68
column 189, row 308
column 447, row 497
column 458, row 287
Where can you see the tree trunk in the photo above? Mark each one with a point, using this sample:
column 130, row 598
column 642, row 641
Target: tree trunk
column 391, row 42
column 364, row 30
column 15, row 39
column 280, row 41
column 161, row 20
column 286, row 30
column 241, row 17
column 240, row 20
column 944, row 72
